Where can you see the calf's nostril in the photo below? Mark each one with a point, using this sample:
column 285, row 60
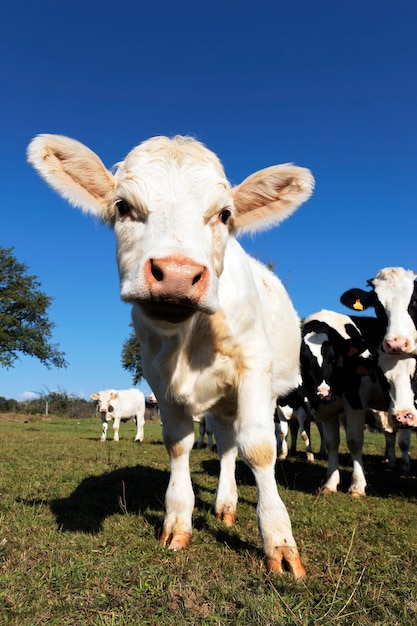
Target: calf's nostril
column 156, row 271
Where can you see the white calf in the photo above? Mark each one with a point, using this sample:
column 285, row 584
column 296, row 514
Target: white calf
column 120, row 406
column 217, row 330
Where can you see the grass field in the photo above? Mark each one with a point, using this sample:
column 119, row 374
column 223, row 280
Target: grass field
column 79, row 521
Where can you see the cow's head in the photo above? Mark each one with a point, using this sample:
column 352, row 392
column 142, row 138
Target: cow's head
column 318, row 364
column 104, row 400
column 332, row 353
column 401, row 376
column 172, row 210
column 394, row 298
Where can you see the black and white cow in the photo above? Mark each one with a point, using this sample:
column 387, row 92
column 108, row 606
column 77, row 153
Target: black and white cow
column 394, row 298
column 344, row 373
column 293, row 414
column 382, row 424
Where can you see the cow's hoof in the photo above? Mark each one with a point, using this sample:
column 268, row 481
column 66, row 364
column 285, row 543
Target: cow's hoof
column 228, row 518
column 324, row 490
column 291, row 558
column 357, row 494
column 176, row 541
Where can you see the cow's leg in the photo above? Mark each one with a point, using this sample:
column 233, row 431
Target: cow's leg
column 178, row 435
column 389, row 455
column 116, row 427
column 323, row 450
column 139, row 428
column 281, row 433
column 104, row 426
column 201, row 431
column 257, row 447
column 404, row 443
column 294, row 427
column 331, row 436
column 304, row 424
column 305, row 436
column 210, row 440
column 226, row 497
column 355, row 426
column 209, row 430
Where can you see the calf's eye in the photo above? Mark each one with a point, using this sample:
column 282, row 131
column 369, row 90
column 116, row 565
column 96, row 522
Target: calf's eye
column 224, row 215
column 123, row 208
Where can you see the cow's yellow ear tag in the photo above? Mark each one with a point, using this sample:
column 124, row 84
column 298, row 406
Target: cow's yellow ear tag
column 358, row 306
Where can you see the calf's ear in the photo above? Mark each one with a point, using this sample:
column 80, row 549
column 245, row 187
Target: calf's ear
column 270, row 195
column 357, row 299
column 94, row 396
column 74, row 171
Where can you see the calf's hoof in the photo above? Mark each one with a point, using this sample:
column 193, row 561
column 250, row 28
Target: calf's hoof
column 175, row 541
column 288, row 556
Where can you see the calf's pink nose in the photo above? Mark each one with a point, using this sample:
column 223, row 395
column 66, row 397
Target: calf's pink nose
column 175, row 277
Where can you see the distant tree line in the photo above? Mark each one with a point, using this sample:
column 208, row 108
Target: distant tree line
column 58, row 403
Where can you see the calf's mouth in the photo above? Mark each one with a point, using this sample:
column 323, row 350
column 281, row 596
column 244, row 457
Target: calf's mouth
column 173, row 312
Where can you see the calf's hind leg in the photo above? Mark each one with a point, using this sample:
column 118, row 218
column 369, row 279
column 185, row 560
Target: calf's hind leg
column 226, row 497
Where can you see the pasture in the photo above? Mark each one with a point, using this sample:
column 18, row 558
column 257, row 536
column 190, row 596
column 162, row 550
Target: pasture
column 79, row 521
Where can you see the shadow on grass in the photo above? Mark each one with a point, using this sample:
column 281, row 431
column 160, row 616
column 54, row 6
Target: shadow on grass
column 137, row 490
column 132, row 489
column 298, row 475
column 141, row 490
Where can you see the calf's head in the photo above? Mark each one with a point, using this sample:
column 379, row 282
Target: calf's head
column 394, row 298
column 172, row 210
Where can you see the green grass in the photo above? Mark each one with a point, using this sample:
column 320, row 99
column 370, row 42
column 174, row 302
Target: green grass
column 79, row 523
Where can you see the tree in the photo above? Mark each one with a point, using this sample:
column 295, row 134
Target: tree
column 131, row 359
column 24, row 324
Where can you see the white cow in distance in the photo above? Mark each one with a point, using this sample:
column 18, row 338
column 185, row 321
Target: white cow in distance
column 120, row 406
column 217, row 329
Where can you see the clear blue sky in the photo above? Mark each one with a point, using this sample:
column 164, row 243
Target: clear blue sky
column 330, row 85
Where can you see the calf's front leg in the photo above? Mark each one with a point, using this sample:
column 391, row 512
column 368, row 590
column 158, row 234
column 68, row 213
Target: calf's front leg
column 257, row 447
column 178, row 435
